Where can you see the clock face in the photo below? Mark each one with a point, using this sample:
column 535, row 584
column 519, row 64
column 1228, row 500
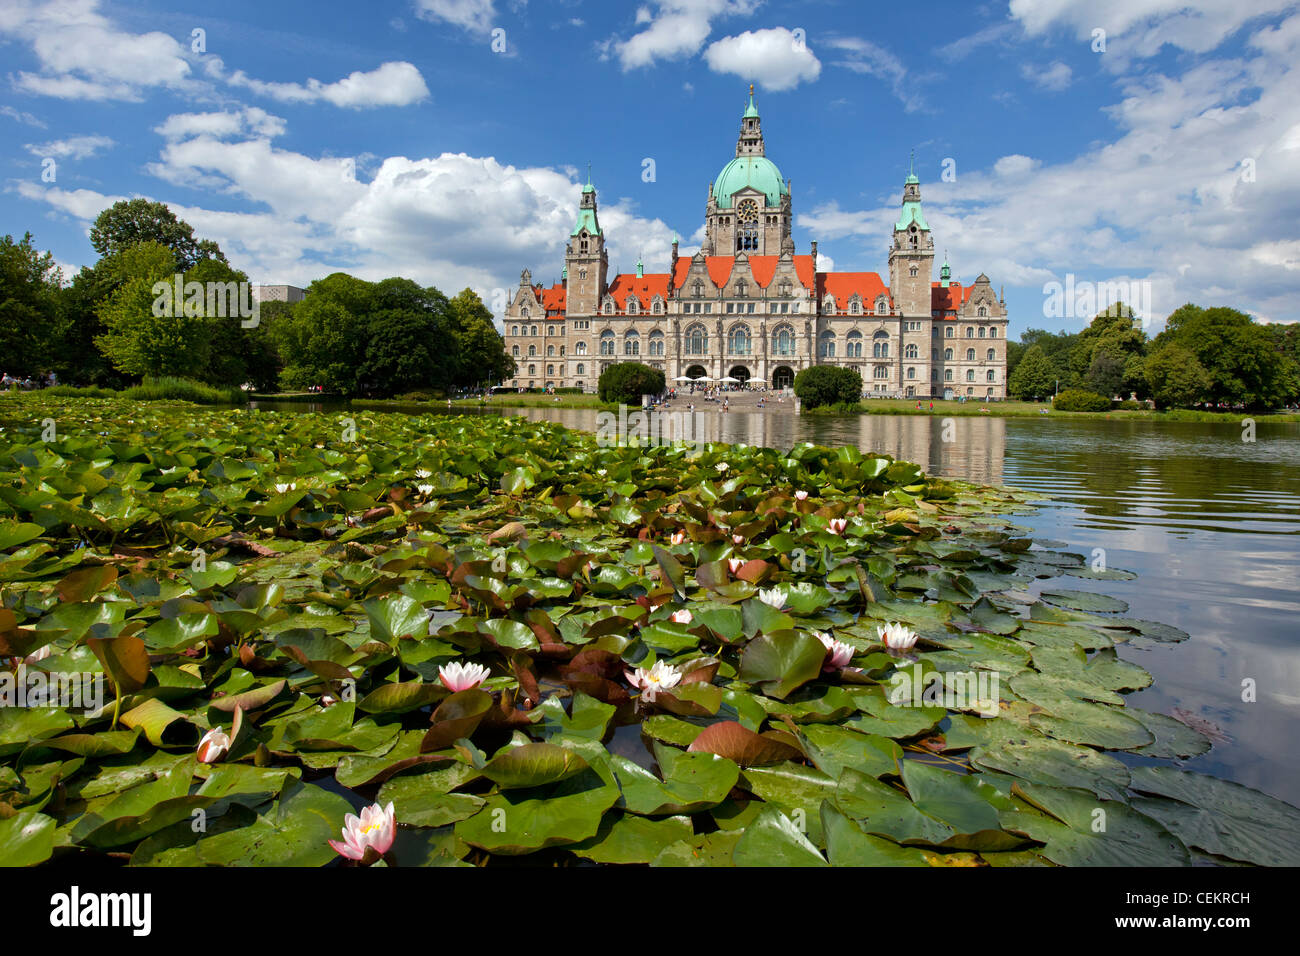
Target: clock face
column 747, row 211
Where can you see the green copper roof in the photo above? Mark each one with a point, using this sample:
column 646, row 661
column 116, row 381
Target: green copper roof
column 911, row 214
column 640, row 268
column 586, row 220
column 756, row 171
column 589, row 188
column 751, row 111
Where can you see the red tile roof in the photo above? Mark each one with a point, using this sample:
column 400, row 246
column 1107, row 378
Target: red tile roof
column 949, row 299
column 643, row 288
column 553, row 300
column 843, row 286
column 763, row 268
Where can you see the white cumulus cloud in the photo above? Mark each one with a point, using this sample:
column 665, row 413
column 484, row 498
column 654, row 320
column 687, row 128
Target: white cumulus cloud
column 777, row 59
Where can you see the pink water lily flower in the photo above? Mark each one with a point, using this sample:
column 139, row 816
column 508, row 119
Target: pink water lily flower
column 678, row 537
column 213, row 745
column 897, row 637
column 660, row 677
column 838, row 654
column 735, row 564
column 801, row 495
column 837, row 525
column 458, row 676
column 682, row 617
column 737, row 539
column 374, row 829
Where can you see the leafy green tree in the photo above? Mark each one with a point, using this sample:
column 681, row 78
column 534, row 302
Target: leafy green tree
column 1106, row 372
column 32, row 318
column 1240, row 356
column 323, row 340
column 1058, row 349
column 1174, row 376
column 80, row 361
column 820, row 385
column 130, row 222
column 626, row 382
column 1034, row 376
column 480, row 350
column 144, row 332
column 1112, row 332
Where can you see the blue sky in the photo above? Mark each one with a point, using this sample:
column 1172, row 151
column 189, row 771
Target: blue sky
column 447, row 140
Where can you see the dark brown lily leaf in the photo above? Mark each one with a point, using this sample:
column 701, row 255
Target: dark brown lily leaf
column 457, row 716
column 85, row 583
column 249, row 700
column 731, row 740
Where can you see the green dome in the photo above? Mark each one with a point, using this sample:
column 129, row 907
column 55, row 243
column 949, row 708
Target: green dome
column 756, row 171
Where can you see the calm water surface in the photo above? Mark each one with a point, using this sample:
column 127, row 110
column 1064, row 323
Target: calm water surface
column 1210, row 523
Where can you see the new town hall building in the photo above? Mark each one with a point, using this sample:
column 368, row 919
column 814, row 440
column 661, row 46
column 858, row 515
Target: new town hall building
column 747, row 306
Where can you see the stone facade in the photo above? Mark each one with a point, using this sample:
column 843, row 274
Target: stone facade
column 747, row 306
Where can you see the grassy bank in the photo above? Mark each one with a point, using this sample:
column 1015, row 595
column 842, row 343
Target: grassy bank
column 165, row 388
column 1013, row 409
column 538, row 401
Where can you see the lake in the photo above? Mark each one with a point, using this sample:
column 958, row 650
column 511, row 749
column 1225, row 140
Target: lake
column 1209, row 522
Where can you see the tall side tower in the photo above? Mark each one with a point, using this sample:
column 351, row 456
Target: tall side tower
column 911, row 255
column 586, row 261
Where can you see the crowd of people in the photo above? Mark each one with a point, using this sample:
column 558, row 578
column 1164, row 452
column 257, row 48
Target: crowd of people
column 43, row 380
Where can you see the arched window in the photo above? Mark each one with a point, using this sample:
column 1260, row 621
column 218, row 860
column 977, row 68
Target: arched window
column 911, row 351
column 947, row 355
column 784, row 341
column 607, row 342
column 581, row 370
column 828, row 306
column 631, row 343
column 514, row 350
column 880, row 345
column 550, row 351
column 880, row 371
column 882, row 306
column 993, row 332
column 992, row 375
column 561, row 351
column 970, row 355
column 550, row 370
column 912, row 271
column 947, row 375
column 582, row 273
column 632, row 305
column 827, row 341
column 514, row 330
column 697, row 340
column 738, row 340
column 581, row 348
column 657, row 306
column 982, row 311
column 524, row 313
column 991, row 354
column 532, row 370
column 697, row 289
column 911, row 372
column 656, row 343
column 970, row 375
column 970, row 331
column 610, row 305
column 532, row 350
column 854, row 307
column 853, row 345
column 982, row 330
column 948, row 332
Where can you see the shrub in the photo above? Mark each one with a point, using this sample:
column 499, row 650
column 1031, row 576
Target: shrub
column 168, row 388
column 625, row 383
column 1080, row 400
column 416, row 397
column 827, row 385
column 72, row 391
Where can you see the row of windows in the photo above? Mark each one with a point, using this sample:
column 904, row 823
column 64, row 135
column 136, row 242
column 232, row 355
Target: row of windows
column 580, row 369
column 775, row 308
column 882, row 371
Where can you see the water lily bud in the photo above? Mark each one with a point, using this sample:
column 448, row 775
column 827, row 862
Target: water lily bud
column 213, row 746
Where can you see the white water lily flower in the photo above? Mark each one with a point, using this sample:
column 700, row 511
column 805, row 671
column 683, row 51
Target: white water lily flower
column 682, row 617
column 214, row 743
column 838, row 653
column 678, row 537
column 458, row 676
column 376, row 828
column 897, row 637
column 837, row 525
column 423, row 473
column 735, row 564
column 801, row 495
column 772, row 597
column 660, row 677
column 722, row 466
column 282, row 487
column 425, row 490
